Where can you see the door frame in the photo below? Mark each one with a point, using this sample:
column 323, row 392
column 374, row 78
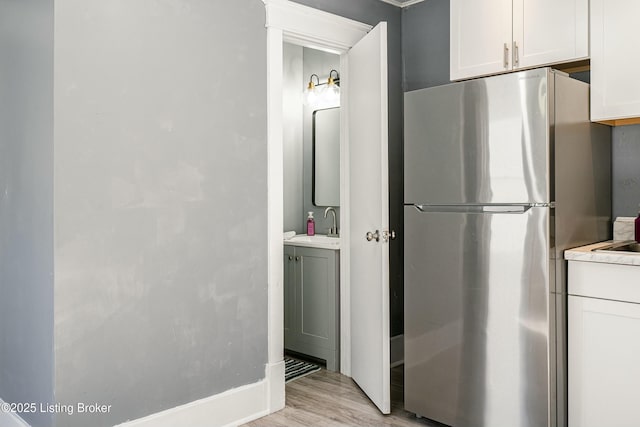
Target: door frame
column 304, row 26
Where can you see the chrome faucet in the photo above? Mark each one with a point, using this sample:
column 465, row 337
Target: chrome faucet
column 333, row 231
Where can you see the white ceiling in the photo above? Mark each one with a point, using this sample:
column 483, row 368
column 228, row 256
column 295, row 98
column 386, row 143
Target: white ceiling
column 402, row 3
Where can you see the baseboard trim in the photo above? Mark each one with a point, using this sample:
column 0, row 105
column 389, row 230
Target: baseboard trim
column 10, row 419
column 397, row 350
column 228, row 409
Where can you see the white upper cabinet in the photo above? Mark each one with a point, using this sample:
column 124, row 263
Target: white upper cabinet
column 480, row 35
column 495, row 36
column 615, row 37
column 550, row 31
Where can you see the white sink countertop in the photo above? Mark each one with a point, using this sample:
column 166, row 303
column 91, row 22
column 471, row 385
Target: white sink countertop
column 319, row 241
column 588, row 253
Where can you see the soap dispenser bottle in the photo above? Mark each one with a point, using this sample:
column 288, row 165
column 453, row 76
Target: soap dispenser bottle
column 311, row 225
column 638, row 226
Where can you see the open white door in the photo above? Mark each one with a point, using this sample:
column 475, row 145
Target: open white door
column 369, row 213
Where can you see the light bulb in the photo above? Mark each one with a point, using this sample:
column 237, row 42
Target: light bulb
column 332, row 90
column 310, row 97
column 332, row 93
column 310, row 94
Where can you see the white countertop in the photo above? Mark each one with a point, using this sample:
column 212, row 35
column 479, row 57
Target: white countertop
column 586, row 253
column 318, row 241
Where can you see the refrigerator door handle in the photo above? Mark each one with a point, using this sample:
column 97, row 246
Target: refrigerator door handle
column 511, row 208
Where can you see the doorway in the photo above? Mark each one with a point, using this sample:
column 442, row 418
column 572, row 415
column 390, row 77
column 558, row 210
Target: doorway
column 311, row 147
column 363, row 158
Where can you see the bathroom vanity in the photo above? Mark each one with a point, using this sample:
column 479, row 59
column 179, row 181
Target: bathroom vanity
column 311, row 297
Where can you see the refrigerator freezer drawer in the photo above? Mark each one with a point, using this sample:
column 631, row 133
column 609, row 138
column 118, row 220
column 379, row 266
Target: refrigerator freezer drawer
column 478, row 318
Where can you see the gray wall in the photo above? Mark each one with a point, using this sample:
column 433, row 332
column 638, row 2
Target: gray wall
column 26, row 204
column 160, row 203
column 626, row 170
column 372, row 12
column 425, row 44
column 292, row 138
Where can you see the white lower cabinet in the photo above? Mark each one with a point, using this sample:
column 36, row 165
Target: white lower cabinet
column 604, row 345
column 311, row 302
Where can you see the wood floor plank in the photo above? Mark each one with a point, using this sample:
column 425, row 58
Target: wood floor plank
column 328, row 399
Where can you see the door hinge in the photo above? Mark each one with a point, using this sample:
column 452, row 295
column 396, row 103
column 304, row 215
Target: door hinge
column 506, row 56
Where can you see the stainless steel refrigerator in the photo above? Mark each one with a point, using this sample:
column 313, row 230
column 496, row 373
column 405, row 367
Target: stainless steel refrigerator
column 502, row 174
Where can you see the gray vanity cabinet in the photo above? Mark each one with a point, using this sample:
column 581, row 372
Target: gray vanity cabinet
column 311, row 303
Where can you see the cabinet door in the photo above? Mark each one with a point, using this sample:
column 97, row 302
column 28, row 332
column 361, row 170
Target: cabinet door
column 316, row 299
column 480, row 37
column 289, row 297
column 549, row 31
column 615, row 35
column 604, row 373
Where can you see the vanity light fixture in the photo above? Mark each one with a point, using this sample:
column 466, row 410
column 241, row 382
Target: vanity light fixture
column 330, row 94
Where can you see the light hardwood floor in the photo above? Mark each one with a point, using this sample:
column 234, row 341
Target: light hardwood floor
column 328, row 399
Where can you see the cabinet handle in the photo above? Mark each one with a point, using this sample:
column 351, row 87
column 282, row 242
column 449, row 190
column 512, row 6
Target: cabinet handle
column 290, row 258
column 506, row 56
column 297, row 258
column 516, row 55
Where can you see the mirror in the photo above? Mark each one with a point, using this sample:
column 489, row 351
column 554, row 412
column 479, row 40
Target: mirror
column 326, row 157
